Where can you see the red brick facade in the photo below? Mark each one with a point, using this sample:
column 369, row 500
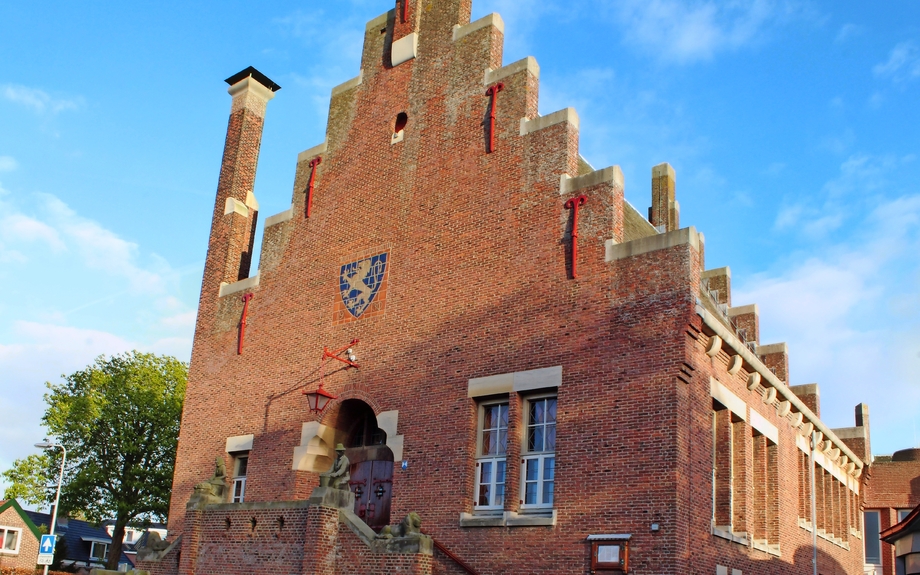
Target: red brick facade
column 893, row 487
column 481, row 309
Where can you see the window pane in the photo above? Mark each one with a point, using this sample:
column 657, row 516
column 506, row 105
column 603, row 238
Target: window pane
column 530, row 493
column 532, row 470
column 549, row 468
column 873, row 545
column 536, row 439
column 503, row 414
column 488, row 443
column 241, row 464
column 9, row 541
column 550, row 438
column 488, row 416
column 548, row 492
column 502, row 446
column 500, row 472
column 551, row 410
column 536, row 411
column 902, row 514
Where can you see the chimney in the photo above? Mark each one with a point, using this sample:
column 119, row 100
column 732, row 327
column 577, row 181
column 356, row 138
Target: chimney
column 233, row 224
column 810, row 396
column 665, row 211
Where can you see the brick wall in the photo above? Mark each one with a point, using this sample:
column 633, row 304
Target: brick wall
column 479, row 284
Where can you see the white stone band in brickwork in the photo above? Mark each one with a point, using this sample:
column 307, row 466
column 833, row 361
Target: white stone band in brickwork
column 250, row 95
column 492, row 19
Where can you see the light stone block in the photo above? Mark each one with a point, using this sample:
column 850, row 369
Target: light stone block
column 761, row 424
column 236, row 287
column 276, row 219
column 538, row 379
column 614, row 251
column 731, row 401
column 566, row 115
column 233, row 205
column 239, row 443
column 492, row 19
column 529, row 64
column 404, row 49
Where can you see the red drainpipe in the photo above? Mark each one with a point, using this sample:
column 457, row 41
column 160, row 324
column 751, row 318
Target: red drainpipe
column 246, row 298
column 313, row 163
column 493, row 93
column 573, row 205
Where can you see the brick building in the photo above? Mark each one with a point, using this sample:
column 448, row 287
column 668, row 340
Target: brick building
column 892, row 492
column 19, row 537
column 552, row 381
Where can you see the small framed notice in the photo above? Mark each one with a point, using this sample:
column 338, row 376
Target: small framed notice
column 609, row 553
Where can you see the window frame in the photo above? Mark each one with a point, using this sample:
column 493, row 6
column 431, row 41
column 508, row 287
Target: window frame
column 92, row 550
column 496, row 460
column 540, row 456
column 872, row 537
column 3, row 531
column 239, row 481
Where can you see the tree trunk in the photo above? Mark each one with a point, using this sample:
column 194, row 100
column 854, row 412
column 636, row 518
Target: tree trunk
column 118, row 537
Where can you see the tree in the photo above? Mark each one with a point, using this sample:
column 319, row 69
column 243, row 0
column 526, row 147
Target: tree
column 119, row 421
column 28, row 480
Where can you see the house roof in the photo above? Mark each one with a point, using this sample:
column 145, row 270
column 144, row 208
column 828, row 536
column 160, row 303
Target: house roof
column 78, row 536
column 4, row 505
column 910, row 524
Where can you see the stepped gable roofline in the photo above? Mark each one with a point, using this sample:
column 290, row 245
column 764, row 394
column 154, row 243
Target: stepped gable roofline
column 4, row 505
column 255, row 75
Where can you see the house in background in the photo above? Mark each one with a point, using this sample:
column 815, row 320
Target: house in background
column 81, row 544
column 135, row 536
column 19, row 537
column 892, row 493
column 904, row 538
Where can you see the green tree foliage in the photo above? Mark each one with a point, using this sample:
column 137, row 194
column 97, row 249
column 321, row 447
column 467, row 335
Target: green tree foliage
column 28, row 480
column 119, row 420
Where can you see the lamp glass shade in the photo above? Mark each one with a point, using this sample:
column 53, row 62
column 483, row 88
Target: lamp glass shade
column 319, row 399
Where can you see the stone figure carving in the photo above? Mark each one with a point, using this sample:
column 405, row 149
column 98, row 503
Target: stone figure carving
column 212, row 490
column 338, row 476
column 411, row 527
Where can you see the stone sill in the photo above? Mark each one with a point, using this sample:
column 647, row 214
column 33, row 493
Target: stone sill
column 835, row 540
column 855, row 533
column 725, row 532
column 509, row 519
column 762, row 545
column 806, row 525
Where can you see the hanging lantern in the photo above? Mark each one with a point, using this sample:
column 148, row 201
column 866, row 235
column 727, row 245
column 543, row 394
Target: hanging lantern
column 319, row 399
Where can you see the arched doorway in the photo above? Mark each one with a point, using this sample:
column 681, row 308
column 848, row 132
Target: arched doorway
column 371, row 462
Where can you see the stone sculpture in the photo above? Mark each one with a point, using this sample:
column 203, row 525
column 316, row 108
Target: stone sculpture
column 212, row 490
column 338, row 476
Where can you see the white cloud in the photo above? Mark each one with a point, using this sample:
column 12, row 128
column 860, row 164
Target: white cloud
column 846, row 32
column 903, row 63
column 20, row 227
column 185, row 320
column 681, row 31
column 850, row 312
column 8, row 164
column 38, row 100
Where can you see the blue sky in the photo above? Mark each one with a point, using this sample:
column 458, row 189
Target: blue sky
column 792, row 126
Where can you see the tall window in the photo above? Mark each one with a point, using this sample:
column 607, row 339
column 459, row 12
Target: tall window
column 538, row 468
column 871, row 528
column 9, row 540
column 491, row 463
column 240, row 464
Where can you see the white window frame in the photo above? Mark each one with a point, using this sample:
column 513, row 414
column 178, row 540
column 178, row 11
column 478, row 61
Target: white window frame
column 239, row 481
column 3, row 531
column 92, row 551
column 541, row 456
column 494, row 460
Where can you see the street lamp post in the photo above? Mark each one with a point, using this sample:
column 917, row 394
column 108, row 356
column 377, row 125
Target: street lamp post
column 57, row 497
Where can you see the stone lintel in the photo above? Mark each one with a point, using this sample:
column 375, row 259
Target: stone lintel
column 309, row 154
column 743, row 310
column 236, row 287
column 648, row 244
column 345, row 86
column 493, row 19
column 529, row 63
column 566, row 115
column 284, row 216
column 240, row 443
column 530, row 380
column 612, row 175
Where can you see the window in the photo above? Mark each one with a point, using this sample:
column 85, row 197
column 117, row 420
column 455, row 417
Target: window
column 240, row 463
column 99, row 551
column 491, row 463
column 903, row 513
column 538, row 463
column 9, row 540
column 873, row 545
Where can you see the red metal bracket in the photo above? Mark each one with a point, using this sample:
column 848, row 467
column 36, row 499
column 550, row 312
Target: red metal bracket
column 492, row 92
column 334, row 354
column 573, row 205
column 313, row 163
column 246, row 299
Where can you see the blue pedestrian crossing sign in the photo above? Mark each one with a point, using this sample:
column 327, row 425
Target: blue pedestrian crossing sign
column 46, row 549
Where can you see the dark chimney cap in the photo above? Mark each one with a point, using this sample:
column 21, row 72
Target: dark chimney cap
column 906, row 455
column 256, row 75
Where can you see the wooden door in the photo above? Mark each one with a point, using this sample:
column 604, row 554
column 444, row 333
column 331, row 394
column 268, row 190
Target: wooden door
column 372, row 484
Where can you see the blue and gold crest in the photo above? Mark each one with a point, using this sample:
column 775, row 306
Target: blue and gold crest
column 360, row 281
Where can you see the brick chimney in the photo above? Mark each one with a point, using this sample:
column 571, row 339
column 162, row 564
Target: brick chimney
column 233, row 224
